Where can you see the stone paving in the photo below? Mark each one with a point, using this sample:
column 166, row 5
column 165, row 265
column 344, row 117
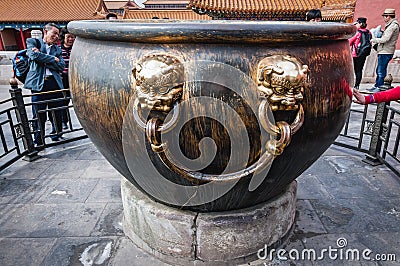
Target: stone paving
column 65, row 209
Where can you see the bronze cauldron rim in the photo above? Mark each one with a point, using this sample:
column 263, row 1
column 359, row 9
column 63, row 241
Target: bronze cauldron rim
column 206, row 31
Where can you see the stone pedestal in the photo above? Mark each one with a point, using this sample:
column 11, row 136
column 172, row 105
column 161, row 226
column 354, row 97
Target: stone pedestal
column 186, row 237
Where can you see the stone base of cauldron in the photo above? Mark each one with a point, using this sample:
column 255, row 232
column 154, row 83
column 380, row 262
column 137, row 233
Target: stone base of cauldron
column 182, row 237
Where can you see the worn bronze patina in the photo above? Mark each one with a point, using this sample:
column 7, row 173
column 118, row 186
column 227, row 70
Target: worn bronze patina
column 281, row 79
column 301, row 72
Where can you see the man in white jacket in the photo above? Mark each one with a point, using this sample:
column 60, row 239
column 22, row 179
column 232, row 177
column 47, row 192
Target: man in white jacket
column 386, row 46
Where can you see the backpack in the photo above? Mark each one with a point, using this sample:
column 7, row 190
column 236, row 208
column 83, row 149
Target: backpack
column 20, row 63
column 364, row 48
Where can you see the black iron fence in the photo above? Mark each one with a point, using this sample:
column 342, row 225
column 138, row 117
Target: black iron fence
column 373, row 129
column 18, row 126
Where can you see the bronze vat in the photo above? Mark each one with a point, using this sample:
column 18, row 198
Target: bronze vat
column 211, row 115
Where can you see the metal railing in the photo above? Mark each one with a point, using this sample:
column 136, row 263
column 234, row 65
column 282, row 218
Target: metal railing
column 377, row 135
column 17, row 130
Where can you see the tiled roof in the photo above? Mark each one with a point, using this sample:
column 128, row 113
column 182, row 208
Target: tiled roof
column 255, row 6
column 332, row 10
column 339, row 3
column 50, row 10
column 338, row 10
column 166, row 2
column 337, row 15
column 121, row 4
column 115, row 4
column 132, row 4
column 171, row 14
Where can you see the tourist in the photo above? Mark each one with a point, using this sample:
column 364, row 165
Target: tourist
column 46, row 64
column 314, row 15
column 67, row 40
column 356, row 45
column 386, row 46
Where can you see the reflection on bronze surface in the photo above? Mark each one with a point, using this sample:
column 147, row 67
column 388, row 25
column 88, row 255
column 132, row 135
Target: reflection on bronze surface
column 282, row 79
column 159, row 81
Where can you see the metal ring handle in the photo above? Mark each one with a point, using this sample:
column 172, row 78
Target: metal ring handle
column 162, row 150
column 165, row 127
column 264, row 161
column 298, row 121
column 154, row 127
column 274, row 129
column 264, row 119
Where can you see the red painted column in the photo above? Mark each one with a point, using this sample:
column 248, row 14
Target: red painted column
column 21, row 32
column 1, row 43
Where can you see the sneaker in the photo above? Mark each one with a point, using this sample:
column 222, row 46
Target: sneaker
column 53, row 133
column 54, row 137
column 38, row 142
column 39, row 147
column 373, row 89
column 64, row 125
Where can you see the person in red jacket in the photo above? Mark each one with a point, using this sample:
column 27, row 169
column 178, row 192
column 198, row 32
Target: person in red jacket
column 359, row 55
column 377, row 97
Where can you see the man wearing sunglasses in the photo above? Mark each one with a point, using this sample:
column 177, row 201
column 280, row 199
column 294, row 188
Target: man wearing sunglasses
column 386, row 46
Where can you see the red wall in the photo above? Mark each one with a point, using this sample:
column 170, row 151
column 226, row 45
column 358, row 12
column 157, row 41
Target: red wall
column 373, row 10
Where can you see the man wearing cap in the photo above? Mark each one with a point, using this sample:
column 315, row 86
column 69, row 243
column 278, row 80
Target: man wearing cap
column 386, row 46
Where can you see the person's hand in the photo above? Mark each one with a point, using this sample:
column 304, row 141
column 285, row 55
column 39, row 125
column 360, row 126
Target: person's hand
column 359, row 97
column 57, row 59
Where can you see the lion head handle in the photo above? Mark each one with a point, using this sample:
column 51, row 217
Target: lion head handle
column 159, row 81
column 282, row 79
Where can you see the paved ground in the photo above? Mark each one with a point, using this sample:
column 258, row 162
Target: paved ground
column 65, row 209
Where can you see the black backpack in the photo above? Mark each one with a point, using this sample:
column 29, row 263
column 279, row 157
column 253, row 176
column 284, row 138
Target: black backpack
column 364, row 49
column 20, row 63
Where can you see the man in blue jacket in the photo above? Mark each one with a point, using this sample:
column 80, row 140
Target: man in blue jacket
column 46, row 64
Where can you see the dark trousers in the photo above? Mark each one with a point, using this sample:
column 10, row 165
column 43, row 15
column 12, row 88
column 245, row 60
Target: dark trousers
column 40, row 103
column 65, row 112
column 381, row 69
column 67, row 94
column 358, row 68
